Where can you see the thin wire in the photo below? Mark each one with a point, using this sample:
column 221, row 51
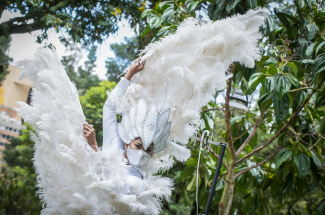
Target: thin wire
column 197, row 170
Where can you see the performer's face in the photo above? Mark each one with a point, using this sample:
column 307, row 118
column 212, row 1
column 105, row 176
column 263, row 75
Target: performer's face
column 137, row 145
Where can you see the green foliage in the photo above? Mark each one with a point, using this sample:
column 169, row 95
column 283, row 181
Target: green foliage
column 83, row 77
column 85, row 21
column 124, row 54
column 4, row 58
column 92, row 103
column 287, row 93
column 18, row 178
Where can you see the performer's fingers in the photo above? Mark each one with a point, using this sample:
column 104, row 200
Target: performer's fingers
column 89, row 128
column 142, row 66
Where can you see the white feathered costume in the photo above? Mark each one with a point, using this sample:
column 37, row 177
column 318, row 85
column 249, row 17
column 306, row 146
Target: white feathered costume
column 182, row 72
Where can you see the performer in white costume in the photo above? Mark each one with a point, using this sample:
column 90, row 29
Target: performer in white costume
column 160, row 109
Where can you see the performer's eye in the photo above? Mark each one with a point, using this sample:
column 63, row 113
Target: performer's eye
column 138, row 146
column 149, row 150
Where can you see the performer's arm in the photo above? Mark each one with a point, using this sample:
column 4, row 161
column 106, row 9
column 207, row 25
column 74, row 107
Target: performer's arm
column 110, row 134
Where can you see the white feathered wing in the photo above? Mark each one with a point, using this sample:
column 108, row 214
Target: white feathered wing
column 185, row 69
column 72, row 180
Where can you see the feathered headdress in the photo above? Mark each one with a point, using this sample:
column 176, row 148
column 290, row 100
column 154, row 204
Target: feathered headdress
column 146, row 124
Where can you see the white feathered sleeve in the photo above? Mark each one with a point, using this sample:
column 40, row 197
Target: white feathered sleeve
column 110, row 134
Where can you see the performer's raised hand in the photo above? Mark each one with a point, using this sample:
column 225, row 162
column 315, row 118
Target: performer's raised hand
column 135, row 68
column 90, row 135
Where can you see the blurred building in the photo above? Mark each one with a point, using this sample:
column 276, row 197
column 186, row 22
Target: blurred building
column 12, row 90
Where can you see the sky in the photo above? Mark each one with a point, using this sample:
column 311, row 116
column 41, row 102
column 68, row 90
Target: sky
column 24, row 45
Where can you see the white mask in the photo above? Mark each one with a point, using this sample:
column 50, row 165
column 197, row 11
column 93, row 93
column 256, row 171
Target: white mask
column 137, row 157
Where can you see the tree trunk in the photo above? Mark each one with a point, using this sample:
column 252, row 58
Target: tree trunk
column 227, row 194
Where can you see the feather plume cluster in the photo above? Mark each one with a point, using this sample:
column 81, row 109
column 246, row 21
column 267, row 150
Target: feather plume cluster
column 185, row 69
column 182, row 72
column 71, row 180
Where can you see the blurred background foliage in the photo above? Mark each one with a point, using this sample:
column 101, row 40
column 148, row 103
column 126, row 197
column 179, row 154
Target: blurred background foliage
column 274, row 163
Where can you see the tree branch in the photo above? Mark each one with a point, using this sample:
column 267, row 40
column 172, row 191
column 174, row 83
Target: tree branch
column 283, row 128
column 230, row 198
column 303, row 88
column 250, row 137
column 9, row 27
column 227, row 115
column 312, row 119
column 259, row 164
column 215, row 154
column 214, row 109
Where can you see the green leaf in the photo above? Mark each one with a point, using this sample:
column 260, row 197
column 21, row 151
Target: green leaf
column 154, row 20
column 269, row 84
column 191, row 186
column 255, row 80
column 163, row 31
column 313, row 113
column 294, row 19
column 322, row 126
column 310, row 50
column 301, row 3
column 168, row 14
column 215, row 10
column 282, row 85
column 275, row 188
column 272, row 70
column 320, row 46
column 283, row 20
column 300, row 98
column 316, row 160
column 281, row 107
column 270, row 26
column 307, row 61
column 319, row 64
column 287, row 185
column 265, row 207
column 285, row 170
column 241, row 189
column 293, row 67
column 220, row 185
column 236, row 118
column 321, row 207
column 257, row 199
column 191, row 5
column 247, row 205
column 206, row 177
column 260, row 176
column 302, row 147
column 252, row 3
column 312, row 31
column 300, row 68
column 265, row 101
column 145, row 32
column 320, row 100
column 145, row 13
column 270, row 61
column 231, row 4
column 248, row 72
column 302, row 163
column 294, row 81
column 300, row 186
column 165, row 4
column 186, row 173
column 282, row 156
